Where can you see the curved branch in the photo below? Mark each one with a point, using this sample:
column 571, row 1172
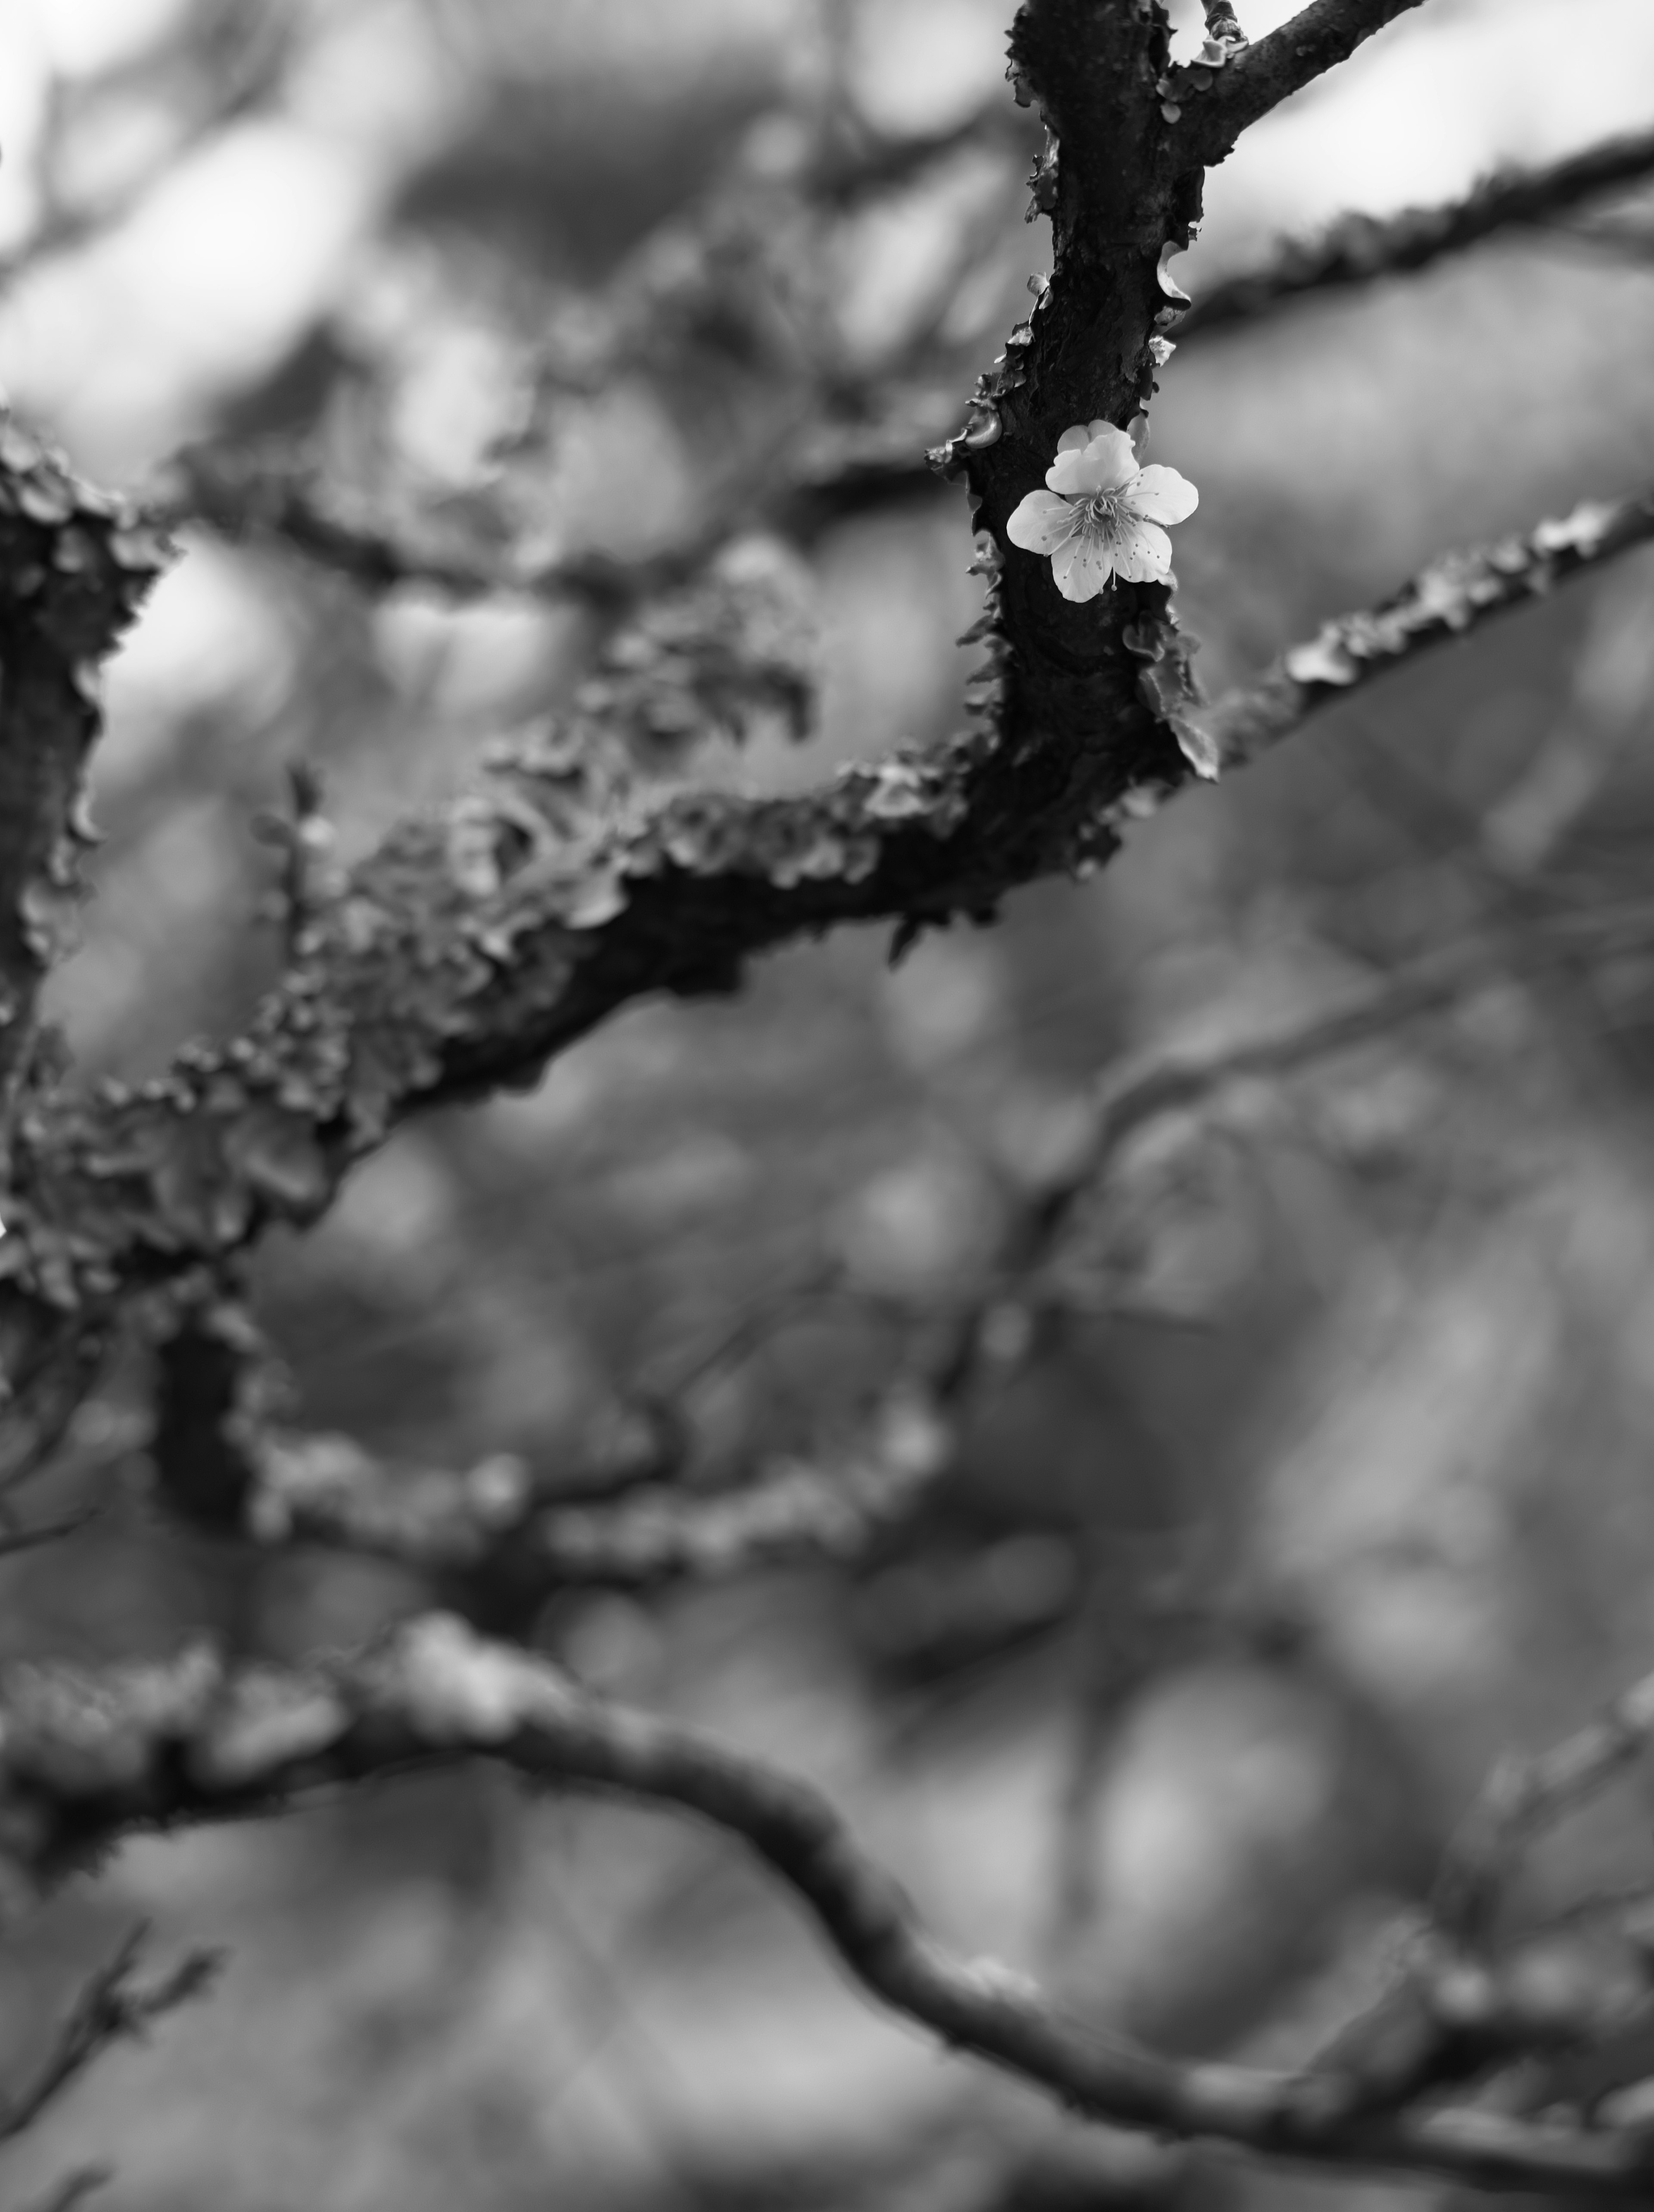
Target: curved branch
column 87, row 1758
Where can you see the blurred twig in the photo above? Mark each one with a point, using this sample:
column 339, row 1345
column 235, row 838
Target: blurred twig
column 1465, row 2004
column 220, row 1461
column 223, row 1460
column 196, row 1741
column 271, row 491
column 1450, row 597
column 1131, row 1629
column 857, row 163
column 274, row 492
column 1526, row 1795
column 1360, row 249
column 73, row 2188
column 1629, row 241
column 112, row 2006
column 1610, row 698
column 47, row 1532
column 223, row 60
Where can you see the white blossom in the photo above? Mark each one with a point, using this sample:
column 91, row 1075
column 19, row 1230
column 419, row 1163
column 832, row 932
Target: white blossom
column 1100, row 518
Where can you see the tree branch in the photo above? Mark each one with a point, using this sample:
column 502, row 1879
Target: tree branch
column 495, row 1537
column 1359, row 249
column 73, row 2188
column 1259, row 77
column 112, row 2006
column 480, row 939
column 1453, row 596
column 252, row 493
column 1526, row 1795
column 86, row 1759
column 488, row 1531
column 477, row 942
column 73, row 565
column 13, row 1540
column 267, row 491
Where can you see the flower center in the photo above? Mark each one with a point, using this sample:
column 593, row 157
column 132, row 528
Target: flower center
column 1100, row 511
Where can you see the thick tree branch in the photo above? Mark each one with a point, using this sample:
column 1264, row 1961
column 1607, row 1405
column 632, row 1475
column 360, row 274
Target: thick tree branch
column 480, row 939
column 472, row 946
column 1260, row 76
column 73, row 568
column 86, row 1759
column 1359, row 249
column 477, row 942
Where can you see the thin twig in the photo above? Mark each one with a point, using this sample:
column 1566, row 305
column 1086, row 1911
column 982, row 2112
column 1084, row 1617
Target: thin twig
column 73, row 2188
column 1453, row 596
column 196, row 1741
column 45, row 1532
column 111, row 2008
column 1527, row 1795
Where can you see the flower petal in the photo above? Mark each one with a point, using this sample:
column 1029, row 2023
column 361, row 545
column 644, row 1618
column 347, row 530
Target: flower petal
column 1067, row 473
column 1079, row 436
column 1112, row 459
column 1105, row 463
column 1040, row 522
column 1143, row 554
column 1081, row 568
column 1161, row 494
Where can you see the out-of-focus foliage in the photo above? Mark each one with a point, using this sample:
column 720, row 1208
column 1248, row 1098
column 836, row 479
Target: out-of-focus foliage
column 1328, row 1476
